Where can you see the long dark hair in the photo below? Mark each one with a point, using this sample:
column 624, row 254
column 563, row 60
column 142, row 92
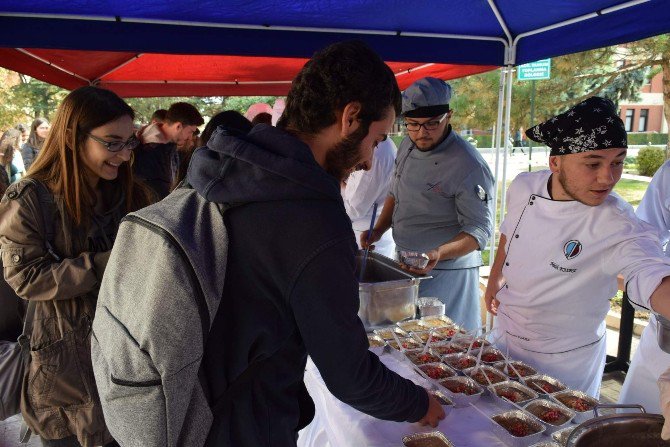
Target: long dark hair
column 60, row 165
column 34, row 140
column 9, row 142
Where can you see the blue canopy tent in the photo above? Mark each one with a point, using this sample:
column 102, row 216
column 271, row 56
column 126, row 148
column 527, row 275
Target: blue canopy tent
column 500, row 33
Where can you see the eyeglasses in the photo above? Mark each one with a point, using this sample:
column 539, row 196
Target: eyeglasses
column 118, row 146
column 428, row 125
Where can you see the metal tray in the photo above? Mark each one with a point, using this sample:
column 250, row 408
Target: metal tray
column 421, row 369
column 466, row 341
column 445, row 346
column 387, row 332
column 513, row 386
column 432, row 439
column 561, row 436
column 499, row 376
column 517, row 441
column 461, row 399
column 445, row 401
column 546, row 444
column 449, row 331
column 547, row 379
column 544, row 404
column 436, row 321
column 489, row 350
column 580, row 416
column 406, row 344
column 501, row 366
column 413, row 354
column 386, row 293
column 452, row 359
column 424, row 336
column 414, row 325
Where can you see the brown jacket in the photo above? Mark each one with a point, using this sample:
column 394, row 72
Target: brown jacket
column 59, row 393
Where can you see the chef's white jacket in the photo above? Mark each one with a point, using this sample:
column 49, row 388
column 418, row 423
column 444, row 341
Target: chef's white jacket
column 364, row 188
column 650, row 361
column 562, row 261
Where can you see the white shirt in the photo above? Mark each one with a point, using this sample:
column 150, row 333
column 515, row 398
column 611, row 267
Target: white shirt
column 562, row 261
column 364, row 188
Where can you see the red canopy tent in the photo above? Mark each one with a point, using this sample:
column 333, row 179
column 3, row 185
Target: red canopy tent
column 152, row 74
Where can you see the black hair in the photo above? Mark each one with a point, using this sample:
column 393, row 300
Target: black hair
column 230, row 119
column 184, row 113
column 334, row 77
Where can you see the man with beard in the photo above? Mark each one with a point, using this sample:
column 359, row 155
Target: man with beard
column 440, row 201
column 564, row 239
column 290, row 288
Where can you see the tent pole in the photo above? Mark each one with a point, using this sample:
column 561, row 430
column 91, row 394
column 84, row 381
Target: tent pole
column 508, row 107
column 496, row 144
column 496, row 139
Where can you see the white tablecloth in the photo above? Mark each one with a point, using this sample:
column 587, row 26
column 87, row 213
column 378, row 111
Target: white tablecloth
column 338, row 425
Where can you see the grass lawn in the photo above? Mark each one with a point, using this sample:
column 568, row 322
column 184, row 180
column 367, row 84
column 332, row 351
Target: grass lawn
column 631, row 190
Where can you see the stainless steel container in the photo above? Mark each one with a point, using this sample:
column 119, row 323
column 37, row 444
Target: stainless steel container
column 663, row 332
column 387, row 293
column 619, row 430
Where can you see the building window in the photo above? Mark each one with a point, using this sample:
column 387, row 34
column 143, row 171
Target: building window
column 642, row 122
column 630, row 116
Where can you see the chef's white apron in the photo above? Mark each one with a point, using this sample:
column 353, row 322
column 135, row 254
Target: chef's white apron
column 560, row 271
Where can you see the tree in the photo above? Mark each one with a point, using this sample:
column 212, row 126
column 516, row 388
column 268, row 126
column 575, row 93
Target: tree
column 614, row 72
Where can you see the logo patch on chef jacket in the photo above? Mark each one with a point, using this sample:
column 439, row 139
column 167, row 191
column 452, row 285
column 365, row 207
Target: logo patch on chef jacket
column 572, row 249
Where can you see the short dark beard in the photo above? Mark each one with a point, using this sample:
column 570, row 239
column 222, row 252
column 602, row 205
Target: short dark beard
column 439, row 141
column 346, row 154
column 566, row 188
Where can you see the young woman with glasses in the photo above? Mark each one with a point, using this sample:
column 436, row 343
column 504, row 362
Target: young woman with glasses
column 85, row 166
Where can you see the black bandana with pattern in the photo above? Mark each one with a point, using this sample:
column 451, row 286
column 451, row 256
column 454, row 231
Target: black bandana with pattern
column 591, row 125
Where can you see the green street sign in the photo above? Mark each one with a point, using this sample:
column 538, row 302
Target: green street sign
column 535, row 70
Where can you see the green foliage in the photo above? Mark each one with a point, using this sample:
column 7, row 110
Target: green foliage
column 649, row 159
column 647, row 138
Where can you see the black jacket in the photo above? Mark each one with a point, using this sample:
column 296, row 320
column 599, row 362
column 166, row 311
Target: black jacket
column 155, row 161
column 290, row 291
